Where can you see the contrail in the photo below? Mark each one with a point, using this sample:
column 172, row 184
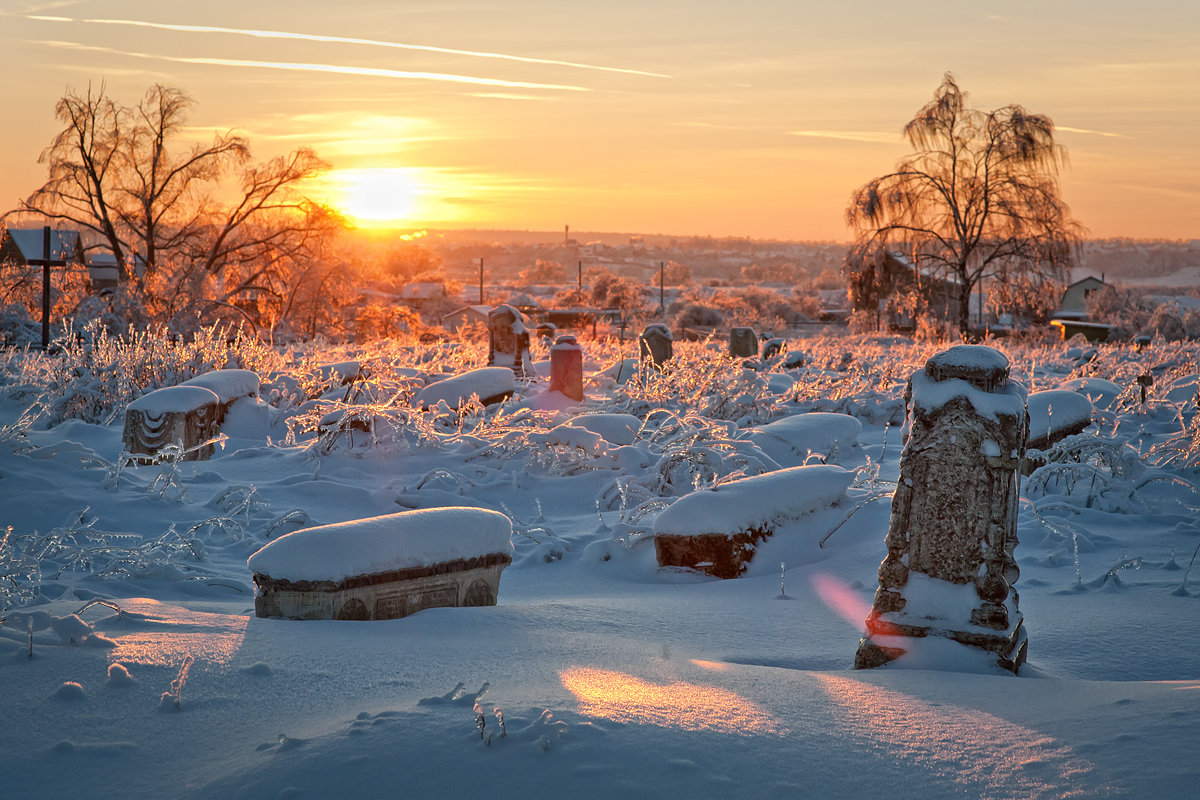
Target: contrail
column 313, row 37
column 850, row 136
column 327, row 68
column 1094, row 133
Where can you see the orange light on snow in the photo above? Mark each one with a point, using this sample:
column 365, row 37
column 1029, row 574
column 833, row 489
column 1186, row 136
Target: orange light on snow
column 620, row 697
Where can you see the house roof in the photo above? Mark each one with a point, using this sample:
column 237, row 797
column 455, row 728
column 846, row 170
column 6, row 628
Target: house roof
column 423, row 290
column 26, row 244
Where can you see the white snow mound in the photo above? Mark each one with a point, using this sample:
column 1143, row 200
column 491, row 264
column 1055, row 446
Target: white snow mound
column 174, row 399
column 227, row 384
column 790, row 440
column 760, row 501
column 486, row 382
column 383, row 544
column 1057, row 410
column 613, row 428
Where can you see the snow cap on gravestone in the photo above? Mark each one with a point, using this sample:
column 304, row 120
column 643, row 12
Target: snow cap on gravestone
column 983, row 367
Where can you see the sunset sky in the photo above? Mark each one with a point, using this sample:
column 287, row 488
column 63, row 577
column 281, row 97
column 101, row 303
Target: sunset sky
column 755, row 118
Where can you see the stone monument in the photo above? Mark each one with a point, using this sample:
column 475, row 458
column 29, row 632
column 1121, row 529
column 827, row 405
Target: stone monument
column 655, row 344
column 508, row 341
column 743, row 343
column 566, row 367
column 949, row 569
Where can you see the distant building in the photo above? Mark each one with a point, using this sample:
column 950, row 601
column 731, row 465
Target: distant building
column 103, row 270
column 465, row 317
column 421, row 294
column 22, row 245
column 1074, row 300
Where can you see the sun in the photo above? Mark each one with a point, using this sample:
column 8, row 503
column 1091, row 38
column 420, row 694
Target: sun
column 376, row 196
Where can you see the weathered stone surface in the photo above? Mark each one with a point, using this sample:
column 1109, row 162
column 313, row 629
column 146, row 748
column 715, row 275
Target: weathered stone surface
column 655, row 344
column 387, row 595
column 508, row 341
column 721, row 555
column 181, row 416
column 566, row 367
column 743, row 343
column 954, row 511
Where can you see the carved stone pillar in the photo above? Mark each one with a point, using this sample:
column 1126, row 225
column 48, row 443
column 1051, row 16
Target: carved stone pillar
column 949, row 569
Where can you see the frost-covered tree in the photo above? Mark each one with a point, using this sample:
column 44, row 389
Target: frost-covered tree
column 128, row 179
column 977, row 199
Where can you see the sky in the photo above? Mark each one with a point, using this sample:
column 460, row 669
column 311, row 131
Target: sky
column 757, row 118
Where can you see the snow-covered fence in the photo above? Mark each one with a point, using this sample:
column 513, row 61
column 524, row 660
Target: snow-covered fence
column 949, row 570
column 384, row 567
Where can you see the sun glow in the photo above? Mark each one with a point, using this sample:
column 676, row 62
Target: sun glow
column 377, row 196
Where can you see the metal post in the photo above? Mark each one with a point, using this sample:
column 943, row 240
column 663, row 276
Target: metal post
column 481, row 281
column 661, row 303
column 46, row 287
column 580, row 276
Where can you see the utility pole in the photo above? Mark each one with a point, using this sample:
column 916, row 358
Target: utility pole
column 579, row 277
column 662, row 306
column 46, row 263
column 481, row 281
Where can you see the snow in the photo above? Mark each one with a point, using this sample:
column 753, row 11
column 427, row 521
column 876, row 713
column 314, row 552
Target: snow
column 758, row 502
column 384, row 544
column 1057, row 410
column 613, row 678
column 174, row 399
column 227, row 384
column 1007, row 400
column 1101, row 392
column 456, row 391
column 618, row 429
column 791, row 440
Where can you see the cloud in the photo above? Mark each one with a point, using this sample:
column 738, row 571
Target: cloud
column 871, row 137
column 1093, row 133
column 312, row 37
column 336, row 69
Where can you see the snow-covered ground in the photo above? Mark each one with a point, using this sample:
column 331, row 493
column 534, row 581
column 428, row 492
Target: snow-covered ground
column 597, row 675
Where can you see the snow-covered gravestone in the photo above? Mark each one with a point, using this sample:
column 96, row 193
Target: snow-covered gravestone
column 183, row 417
column 384, row 567
column 186, row 416
column 508, row 341
column 489, row 384
column 717, row 531
column 743, row 343
column 656, row 344
column 949, row 570
column 566, row 367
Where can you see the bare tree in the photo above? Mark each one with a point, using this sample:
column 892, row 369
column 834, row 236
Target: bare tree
column 120, row 173
column 979, row 198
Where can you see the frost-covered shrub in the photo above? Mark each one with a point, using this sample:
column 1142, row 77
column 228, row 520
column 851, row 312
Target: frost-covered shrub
column 94, row 375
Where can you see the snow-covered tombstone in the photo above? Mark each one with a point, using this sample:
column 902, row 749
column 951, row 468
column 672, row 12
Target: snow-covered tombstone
column 949, row 570
column 508, row 341
column 183, row 417
column 743, row 343
column 716, row 531
column 1056, row 414
column 229, row 385
column 490, row 385
column 831, row 438
column 384, row 567
column 566, row 367
column 656, row 345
